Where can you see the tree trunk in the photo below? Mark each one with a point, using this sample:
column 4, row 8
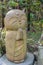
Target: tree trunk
column 2, row 17
column 28, row 18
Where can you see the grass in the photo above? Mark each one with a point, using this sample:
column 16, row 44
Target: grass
column 34, row 36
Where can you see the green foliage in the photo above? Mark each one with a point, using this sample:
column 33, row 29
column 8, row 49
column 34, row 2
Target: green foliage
column 3, row 33
column 32, row 17
column 2, row 5
column 41, row 1
column 12, row 3
column 41, row 21
column 2, row 44
column 24, row 3
column 37, row 3
column 34, row 37
column 35, row 6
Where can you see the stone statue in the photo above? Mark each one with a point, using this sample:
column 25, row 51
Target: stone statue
column 15, row 24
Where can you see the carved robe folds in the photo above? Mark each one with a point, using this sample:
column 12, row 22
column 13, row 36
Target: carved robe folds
column 15, row 24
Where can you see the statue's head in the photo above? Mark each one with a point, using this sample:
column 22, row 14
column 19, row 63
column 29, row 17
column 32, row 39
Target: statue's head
column 15, row 19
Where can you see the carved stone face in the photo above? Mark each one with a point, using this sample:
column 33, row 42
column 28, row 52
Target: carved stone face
column 15, row 19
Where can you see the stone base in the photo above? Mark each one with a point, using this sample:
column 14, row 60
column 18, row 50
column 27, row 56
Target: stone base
column 40, row 56
column 28, row 61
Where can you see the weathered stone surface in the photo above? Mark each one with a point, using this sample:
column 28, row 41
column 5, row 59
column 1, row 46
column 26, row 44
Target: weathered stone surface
column 15, row 24
column 40, row 56
column 15, row 19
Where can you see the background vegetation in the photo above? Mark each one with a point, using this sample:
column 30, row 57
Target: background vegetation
column 34, row 13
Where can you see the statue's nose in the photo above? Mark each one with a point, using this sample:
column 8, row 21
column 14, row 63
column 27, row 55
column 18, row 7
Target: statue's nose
column 19, row 34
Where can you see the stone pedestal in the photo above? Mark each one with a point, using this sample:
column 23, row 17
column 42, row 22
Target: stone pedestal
column 40, row 56
column 29, row 60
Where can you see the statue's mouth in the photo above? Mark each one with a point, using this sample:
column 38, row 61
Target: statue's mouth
column 19, row 40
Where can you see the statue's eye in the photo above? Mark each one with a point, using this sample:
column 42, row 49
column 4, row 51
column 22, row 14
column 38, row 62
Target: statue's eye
column 19, row 21
column 13, row 22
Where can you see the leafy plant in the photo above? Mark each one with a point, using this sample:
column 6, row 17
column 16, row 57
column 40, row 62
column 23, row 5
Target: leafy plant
column 41, row 1
column 12, row 3
column 2, row 44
